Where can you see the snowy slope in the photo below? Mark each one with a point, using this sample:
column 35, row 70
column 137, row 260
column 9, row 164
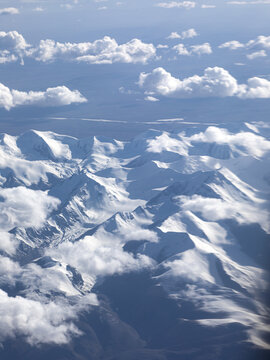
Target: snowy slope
column 190, row 209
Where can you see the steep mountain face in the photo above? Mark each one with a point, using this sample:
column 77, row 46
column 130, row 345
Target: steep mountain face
column 157, row 248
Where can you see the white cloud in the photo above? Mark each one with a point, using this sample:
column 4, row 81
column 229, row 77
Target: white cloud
column 187, row 34
column 24, row 207
column 190, row 33
column 177, row 4
column 8, row 243
column 8, row 270
column 39, row 323
column 261, row 44
column 161, row 46
column 257, row 54
column 57, row 96
column 32, row 314
column 256, row 2
column 261, row 41
column 102, row 51
column 256, row 88
column 253, row 144
column 232, row 45
column 38, row 9
column 200, row 49
column 99, row 255
column 218, row 209
column 208, row 6
column 12, row 40
column 215, row 82
column 181, row 50
column 67, row 6
column 151, row 98
column 9, row 11
column 12, row 46
column 174, row 35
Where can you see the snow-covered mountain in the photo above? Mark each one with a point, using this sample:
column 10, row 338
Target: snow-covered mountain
column 157, row 248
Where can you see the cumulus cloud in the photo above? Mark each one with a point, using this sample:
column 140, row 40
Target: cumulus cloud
column 259, row 46
column 181, row 50
column 256, row 54
column 218, row 209
column 99, row 256
column 24, row 207
column 39, row 323
column 200, row 49
column 187, row 34
column 8, row 243
column 33, row 314
column 8, row 270
column 174, row 35
column 102, row 51
column 177, row 4
column 57, row 96
column 260, row 42
column 232, row 45
column 151, row 99
column 215, row 82
column 12, row 46
column 253, row 144
column 12, row 40
column 9, row 11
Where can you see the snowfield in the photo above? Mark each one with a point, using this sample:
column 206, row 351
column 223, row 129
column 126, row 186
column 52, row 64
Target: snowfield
column 188, row 211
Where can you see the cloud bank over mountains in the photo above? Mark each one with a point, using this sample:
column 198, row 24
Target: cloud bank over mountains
column 172, row 196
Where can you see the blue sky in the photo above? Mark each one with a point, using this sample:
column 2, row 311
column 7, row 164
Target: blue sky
column 111, row 90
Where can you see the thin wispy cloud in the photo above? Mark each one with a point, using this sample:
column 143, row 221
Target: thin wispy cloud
column 9, row 11
column 177, row 4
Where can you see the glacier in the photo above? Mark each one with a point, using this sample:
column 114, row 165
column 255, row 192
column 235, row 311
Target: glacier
column 154, row 248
